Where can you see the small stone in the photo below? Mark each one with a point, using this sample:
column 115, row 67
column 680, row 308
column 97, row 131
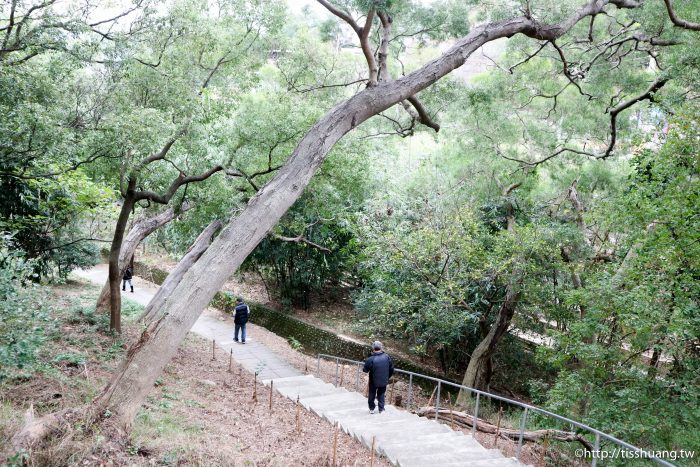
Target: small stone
column 207, row 382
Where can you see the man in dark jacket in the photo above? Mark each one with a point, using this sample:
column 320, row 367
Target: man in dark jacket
column 128, row 275
column 240, row 318
column 380, row 368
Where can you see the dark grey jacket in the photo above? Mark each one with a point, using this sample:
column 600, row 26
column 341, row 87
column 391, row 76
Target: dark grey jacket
column 380, row 368
column 242, row 312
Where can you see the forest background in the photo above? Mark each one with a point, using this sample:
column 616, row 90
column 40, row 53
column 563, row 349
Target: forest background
column 549, row 187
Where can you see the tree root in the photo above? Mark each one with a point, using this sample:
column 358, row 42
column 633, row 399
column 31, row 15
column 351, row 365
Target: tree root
column 464, row 420
column 37, row 430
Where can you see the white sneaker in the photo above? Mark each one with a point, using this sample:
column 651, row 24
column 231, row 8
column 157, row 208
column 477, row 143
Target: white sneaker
column 371, row 411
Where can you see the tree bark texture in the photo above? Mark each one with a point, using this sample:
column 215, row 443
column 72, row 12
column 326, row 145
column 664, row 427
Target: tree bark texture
column 196, row 250
column 115, row 301
column 142, row 229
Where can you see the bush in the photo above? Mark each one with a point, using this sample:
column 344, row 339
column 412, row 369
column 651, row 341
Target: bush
column 24, row 318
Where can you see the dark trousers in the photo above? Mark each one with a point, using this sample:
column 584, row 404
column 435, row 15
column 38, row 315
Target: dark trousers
column 239, row 327
column 376, row 392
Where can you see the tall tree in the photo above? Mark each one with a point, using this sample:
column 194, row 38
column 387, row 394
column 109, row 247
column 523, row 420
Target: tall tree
column 125, row 393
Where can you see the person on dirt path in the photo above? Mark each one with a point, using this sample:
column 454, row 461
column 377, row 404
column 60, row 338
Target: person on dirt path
column 380, row 368
column 240, row 318
column 128, row 275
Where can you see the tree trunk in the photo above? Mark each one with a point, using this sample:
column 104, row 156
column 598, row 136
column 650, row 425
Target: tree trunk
column 145, row 359
column 199, row 246
column 142, row 229
column 478, row 374
column 617, row 280
column 115, row 301
column 480, row 368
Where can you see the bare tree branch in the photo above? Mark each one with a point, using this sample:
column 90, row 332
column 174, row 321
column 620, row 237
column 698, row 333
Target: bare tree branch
column 681, row 23
column 302, row 239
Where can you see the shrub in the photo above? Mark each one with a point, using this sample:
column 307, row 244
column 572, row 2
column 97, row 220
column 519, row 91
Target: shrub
column 24, row 318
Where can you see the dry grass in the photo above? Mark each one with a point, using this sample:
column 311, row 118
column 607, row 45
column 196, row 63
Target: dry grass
column 197, row 414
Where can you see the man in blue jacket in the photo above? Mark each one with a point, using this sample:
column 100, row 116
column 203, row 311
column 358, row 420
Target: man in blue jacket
column 380, row 368
column 240, row 318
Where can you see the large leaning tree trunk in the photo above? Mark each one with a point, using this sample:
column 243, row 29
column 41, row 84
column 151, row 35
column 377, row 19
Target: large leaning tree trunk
column 159, row 341
column 195, row 251
column 478, row 373
column 141, row 229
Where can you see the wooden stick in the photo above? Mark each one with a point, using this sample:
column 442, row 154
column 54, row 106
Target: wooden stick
column 255, row 387
column 391, row 393
column 430, row 402
column 498, row 427
column 371, row 455
column 213, row 347
column 342, row 374
column 335, row 443
column 271, row 383
column 545, row 443
column 230, row 360
column 298, row 415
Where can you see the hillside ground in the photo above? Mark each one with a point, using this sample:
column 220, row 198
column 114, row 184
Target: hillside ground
column 198, row 413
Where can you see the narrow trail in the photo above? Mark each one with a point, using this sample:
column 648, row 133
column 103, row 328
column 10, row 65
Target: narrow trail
column 406, row 439
column 254, row 356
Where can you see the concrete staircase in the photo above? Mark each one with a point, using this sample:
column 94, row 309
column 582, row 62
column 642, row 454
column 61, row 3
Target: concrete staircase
column 407, row 440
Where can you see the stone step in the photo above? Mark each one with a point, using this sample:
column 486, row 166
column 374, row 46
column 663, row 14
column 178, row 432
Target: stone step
column 455, row 458
column 305, row 390
column 502, row 462
column 408, row 431
column 291, row 380
column 429, row 439
column 460, row 452
column 405, row 439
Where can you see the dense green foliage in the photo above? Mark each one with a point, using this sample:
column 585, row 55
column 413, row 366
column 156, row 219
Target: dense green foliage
column 565, row 174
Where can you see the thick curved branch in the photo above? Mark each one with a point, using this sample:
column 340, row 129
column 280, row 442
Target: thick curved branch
column 344, row 15
column 615, row 111
column 367, row 49
column 681, row 23
column 175, row 185
column 423, row 116
column 383, row 53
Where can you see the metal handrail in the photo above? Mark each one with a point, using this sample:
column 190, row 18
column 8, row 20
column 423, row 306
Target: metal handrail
column 527, row 408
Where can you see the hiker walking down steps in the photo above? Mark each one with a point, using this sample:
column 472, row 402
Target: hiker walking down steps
column 240, row 318
column 380, row 368
column 128, row 275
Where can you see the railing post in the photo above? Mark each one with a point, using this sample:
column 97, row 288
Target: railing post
column 410, row 390
column 596, row 449
column 357, row 380
column 318, row 366
column 476, row 414
column 437, row 401
column 522, row 430
column 337, row 365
